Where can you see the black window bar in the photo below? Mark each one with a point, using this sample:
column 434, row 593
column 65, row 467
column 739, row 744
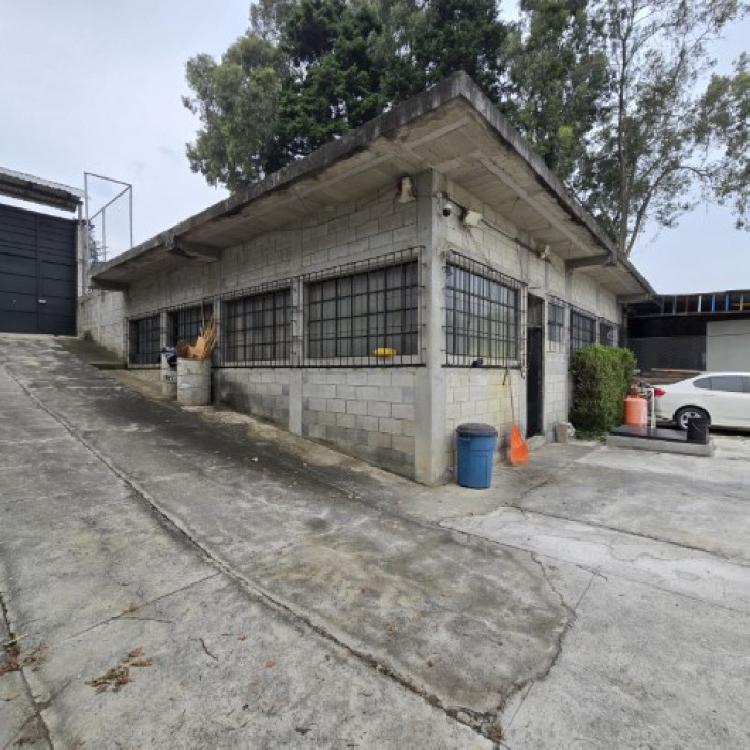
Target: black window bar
column 256, row 328
column 186, row 323
column 555, row 324
column 607, row 333
column 483, row 311
column 582, row 330
column 364, row 313
column 144, row 340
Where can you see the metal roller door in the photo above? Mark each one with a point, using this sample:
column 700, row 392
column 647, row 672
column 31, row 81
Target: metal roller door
column 37, row 272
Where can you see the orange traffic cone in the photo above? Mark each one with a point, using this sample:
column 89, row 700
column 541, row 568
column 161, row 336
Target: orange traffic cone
column 518, row 452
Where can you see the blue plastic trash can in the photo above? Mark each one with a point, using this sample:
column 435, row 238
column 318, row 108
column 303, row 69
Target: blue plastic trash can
column 476, row 453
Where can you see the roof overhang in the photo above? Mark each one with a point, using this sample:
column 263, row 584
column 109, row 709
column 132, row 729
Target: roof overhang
column 452, row 128
column 37, row 190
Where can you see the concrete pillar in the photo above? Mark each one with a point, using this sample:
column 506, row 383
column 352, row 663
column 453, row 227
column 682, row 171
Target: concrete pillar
column 296, row 355
column 163, row 329
column 430, row 465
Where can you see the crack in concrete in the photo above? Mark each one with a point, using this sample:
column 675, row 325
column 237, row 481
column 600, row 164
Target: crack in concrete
column 481, row 723
column 124, row 616
column 598, row 572
column 639, row 534
column 36, row 706
column 560, row 641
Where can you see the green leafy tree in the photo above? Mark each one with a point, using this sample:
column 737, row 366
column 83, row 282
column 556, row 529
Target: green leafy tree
column 724, row 128
column 335, row 73
column 607, row 91
column 433, row 39
column 237, row 103
column 646, row 154
column 559, row 76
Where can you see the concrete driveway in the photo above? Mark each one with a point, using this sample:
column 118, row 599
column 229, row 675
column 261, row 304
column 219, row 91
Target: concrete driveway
column 175, row 578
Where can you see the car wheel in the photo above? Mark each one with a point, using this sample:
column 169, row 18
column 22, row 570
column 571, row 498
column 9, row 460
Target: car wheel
column 689, row 412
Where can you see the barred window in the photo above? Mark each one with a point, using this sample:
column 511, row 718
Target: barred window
column 257, row 328
column 607, row 333
column 371, row 314
column 582, row 330
column 481, row 315
column 555, row 322
column 186, row 323
column 144, row 340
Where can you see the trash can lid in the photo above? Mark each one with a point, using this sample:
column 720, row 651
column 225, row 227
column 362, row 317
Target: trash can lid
column 476, row 429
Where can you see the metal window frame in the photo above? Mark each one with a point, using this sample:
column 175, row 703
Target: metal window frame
column 556, row 324
column 257, row 293
column 410, row 301
column 478, row 333
column 604, row 323
column 134, row 336
column 576, row 340
column 188, row 330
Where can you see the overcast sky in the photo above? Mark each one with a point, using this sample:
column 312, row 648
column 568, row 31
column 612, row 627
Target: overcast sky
column 97, row 86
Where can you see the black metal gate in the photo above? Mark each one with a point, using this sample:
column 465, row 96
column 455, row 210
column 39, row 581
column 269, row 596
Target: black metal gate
column 37, row 272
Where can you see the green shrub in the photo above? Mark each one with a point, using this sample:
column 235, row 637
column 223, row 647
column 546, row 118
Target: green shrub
column 601, row 377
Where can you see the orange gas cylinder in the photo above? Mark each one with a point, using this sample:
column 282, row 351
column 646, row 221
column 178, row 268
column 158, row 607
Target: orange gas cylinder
column 636, row 411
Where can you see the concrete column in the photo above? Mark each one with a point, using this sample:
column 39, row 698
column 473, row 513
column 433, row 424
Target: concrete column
column 163, row 328
column 430, row 466
column 296, row 354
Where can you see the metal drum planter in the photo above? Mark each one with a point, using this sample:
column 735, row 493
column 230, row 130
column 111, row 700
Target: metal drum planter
column 193, row 381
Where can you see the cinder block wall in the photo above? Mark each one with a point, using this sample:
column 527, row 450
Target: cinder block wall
column 374, row 413
column 482, row 395
column 261, row 391
column 366, row 412
column 101, row 316
column 479, row 394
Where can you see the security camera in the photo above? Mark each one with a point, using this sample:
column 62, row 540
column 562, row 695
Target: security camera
column 447, row 211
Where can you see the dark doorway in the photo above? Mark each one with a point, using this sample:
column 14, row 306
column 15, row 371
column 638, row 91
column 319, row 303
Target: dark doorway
column 37, row 272
column 534, row 358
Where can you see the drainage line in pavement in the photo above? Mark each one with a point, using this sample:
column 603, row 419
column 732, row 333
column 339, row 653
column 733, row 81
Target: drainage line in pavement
column 36, row 707
column 485, row 724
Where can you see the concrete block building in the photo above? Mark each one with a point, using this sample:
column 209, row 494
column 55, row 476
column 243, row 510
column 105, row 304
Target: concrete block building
column 422, row 271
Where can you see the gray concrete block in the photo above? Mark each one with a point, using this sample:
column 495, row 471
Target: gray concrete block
column 378, row 409
column 402, row 411
column 392, row 426
column 356, row 407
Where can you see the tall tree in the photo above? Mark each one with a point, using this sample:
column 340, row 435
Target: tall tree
column 646, row 155
column 724, row 127
column 558, row 79
column 607, row 91
column 236, row 101
column 435, row 38
column 335, row 73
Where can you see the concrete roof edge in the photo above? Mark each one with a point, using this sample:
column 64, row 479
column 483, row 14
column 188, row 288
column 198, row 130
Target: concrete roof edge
column 570, row 204
column 317, row 161
column 457, row 85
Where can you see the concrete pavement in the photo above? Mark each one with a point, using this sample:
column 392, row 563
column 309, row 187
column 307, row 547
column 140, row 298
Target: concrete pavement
column 287, row 595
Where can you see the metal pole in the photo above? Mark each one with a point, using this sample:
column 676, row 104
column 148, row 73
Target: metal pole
column 130, row 212
column 86, row 201
column 104, row 235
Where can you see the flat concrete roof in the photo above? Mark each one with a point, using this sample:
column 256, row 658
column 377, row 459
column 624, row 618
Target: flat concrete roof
column 452, row 128
column 27, row 187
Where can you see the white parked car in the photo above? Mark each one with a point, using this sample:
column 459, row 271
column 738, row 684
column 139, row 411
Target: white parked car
column 721, row 397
